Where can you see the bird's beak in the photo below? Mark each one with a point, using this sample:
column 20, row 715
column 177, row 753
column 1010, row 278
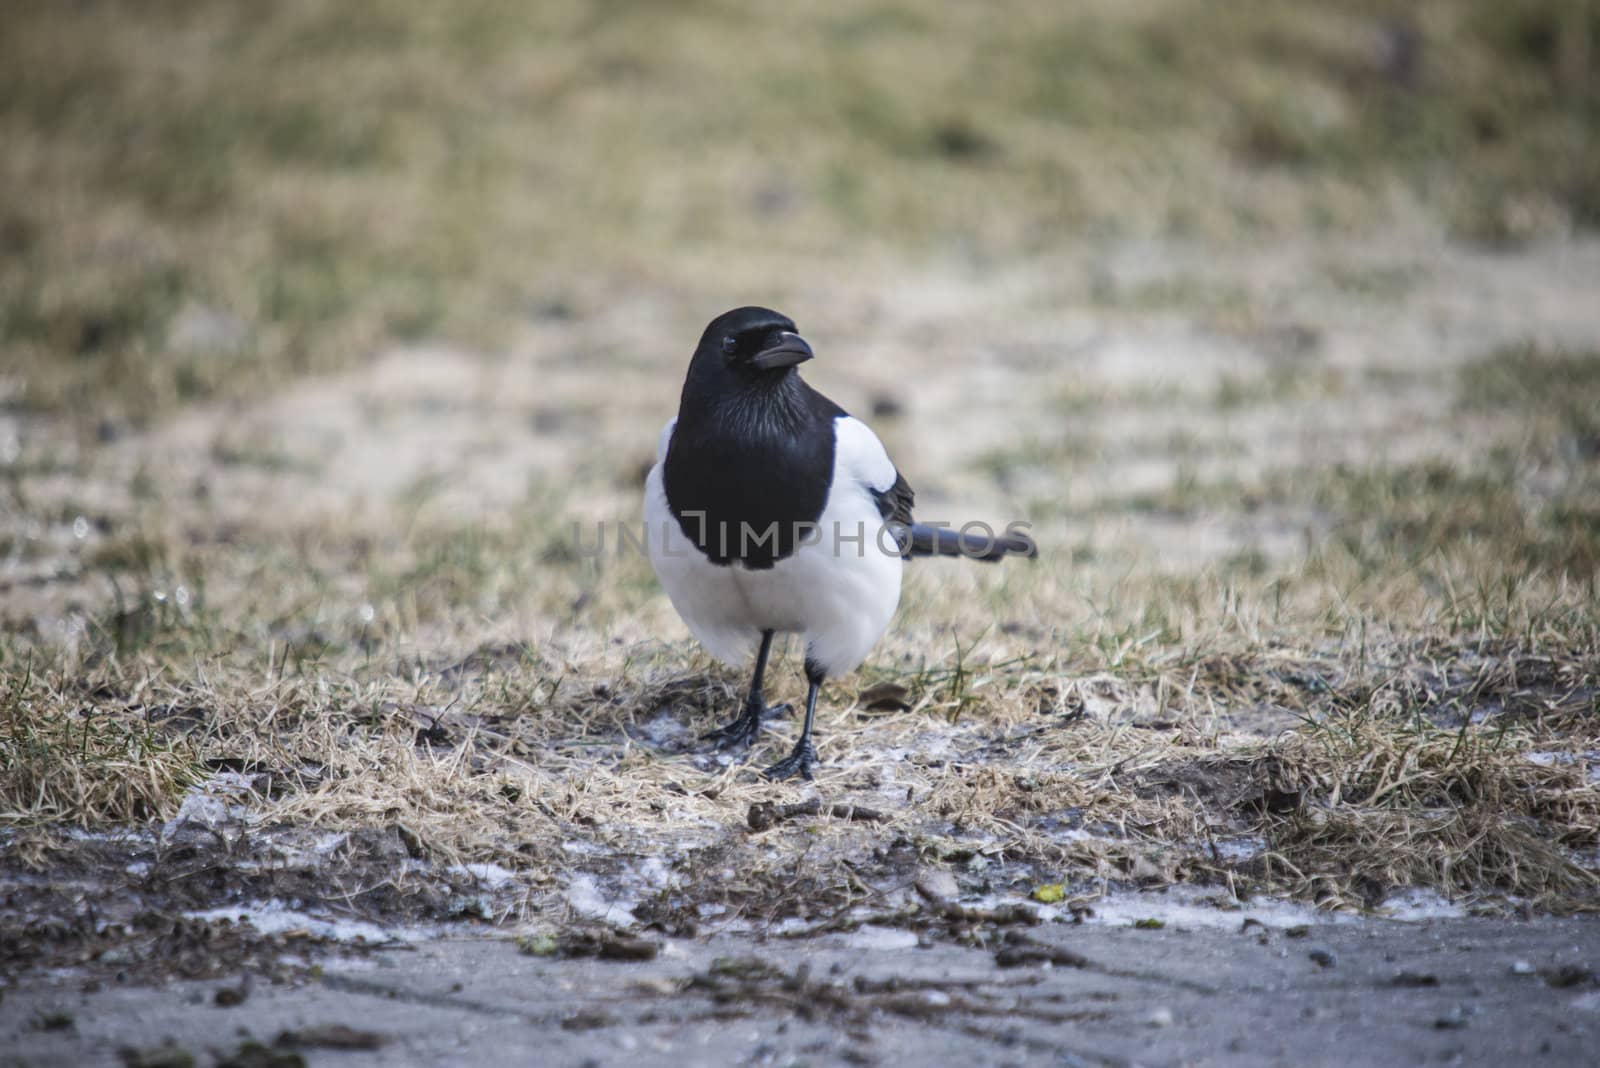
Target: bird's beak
column 788, row 350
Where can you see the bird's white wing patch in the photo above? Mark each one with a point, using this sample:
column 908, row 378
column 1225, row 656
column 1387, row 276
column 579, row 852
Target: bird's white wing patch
column 859, row 454
column 664, row 440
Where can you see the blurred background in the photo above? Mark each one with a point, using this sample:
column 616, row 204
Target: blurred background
column 202, row 199
column 410, row 287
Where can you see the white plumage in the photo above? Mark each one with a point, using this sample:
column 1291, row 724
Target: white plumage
column 839, row 591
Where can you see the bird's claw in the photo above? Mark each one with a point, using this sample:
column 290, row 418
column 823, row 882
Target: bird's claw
column 800, row 762
column 743, row 730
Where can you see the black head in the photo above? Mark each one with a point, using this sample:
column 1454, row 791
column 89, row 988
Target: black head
column 753, row 343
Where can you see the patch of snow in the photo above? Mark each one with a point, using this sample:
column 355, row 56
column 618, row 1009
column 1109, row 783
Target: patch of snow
column 873, row 938
column 203, row 810
column 491, row 876
column 654, row 873
column 664, row 731
column 276, row 917
column 327, row 843
column 1547, row 759
column 289, row 848
column 127, row 835
column 1191, row 907
column 585, row 847
column 584, row 896
column 1079, row 834
column 1240, row 848
column 1415, row 905
column 212, row 803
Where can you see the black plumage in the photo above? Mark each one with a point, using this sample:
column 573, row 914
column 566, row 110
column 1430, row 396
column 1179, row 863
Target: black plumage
column 748, row 477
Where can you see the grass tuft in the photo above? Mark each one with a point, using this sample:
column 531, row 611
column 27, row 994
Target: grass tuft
column 85, row 766
column 1386, row 801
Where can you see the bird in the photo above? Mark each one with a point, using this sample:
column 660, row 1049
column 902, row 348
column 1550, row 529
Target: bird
column 771, row 510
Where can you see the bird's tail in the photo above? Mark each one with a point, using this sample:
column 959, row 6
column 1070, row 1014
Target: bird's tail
column 919, row 540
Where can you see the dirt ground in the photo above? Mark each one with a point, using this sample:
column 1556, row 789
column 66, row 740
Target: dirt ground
column 1372, row 992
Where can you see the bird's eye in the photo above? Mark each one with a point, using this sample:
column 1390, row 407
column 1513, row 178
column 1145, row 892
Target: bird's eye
column 729, row 344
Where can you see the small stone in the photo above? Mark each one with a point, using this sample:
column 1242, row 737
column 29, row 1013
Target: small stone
column 1161, row 1017
column 331, row 1036
column 1568, row 975
column 1522, row 967
column 618, row 947
column 157, row 1057
column 252, row 1054
column 937, row 885
column 1323, row 957
column 230, row 996
column 589, row 1020
column 656, row 986
column 469, row 907
column 1145, row 870
column 886, row 696
column 1416, row 979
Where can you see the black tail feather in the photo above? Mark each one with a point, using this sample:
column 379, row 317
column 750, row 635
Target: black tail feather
column 919, row 540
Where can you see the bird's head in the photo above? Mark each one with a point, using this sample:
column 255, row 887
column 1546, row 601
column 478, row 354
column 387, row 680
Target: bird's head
column 753, row 343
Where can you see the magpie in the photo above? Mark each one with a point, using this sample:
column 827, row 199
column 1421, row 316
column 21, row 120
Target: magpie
column 770, row 510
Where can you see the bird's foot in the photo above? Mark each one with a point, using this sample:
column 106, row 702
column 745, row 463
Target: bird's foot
column 742, row 731
column 800, row 762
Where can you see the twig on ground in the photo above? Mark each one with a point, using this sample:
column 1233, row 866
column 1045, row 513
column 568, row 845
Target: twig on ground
column 765, row 815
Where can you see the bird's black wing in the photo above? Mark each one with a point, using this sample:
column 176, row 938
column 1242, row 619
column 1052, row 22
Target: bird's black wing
column 915, row 539
column 894, row 503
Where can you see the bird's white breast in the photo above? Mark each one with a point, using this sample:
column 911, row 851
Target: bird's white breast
column 839, row 591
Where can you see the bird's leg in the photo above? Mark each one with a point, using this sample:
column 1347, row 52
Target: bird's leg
column 745, row 727
column 804, row 756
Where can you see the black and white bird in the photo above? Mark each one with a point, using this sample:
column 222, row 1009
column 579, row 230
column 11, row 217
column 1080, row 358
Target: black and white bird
column 770, row 510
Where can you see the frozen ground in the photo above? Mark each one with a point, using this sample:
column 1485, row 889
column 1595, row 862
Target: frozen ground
column 1243, row 993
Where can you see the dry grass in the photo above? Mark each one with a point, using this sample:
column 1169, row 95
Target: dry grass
column 1108, row 754
column 66, row 764
column 1380, row 803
